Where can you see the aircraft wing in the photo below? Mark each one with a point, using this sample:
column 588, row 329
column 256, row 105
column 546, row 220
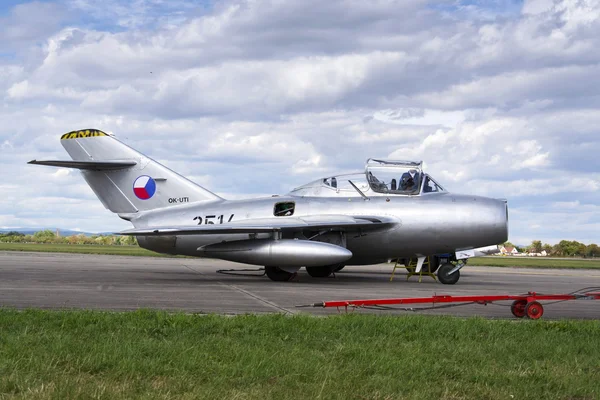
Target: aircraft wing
column 266, row 225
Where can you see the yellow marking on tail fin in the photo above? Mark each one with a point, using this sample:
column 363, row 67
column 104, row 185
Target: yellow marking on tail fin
column 85, row 133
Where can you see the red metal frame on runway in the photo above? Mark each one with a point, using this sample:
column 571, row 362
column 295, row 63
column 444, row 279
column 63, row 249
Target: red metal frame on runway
column 525, row 305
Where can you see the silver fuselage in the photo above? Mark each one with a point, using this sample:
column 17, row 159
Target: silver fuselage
column 391, row 210
column 424, row 225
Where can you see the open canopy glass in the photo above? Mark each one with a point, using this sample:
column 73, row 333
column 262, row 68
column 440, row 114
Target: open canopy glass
column 381, row 178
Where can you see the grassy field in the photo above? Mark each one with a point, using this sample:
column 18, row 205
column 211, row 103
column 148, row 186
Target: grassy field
column 535, row 262
column 145, row 354
column 80, row 248
column 541, row 262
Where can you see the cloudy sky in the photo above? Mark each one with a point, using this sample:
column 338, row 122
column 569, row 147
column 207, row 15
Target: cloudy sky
column 499, row 98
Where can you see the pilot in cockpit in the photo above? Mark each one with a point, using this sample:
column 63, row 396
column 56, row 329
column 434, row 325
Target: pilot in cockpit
column 375, row 183
column 409, row 180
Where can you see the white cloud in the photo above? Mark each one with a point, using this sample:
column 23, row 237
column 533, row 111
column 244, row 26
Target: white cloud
column 135, row 13
column 20, row 89
column 257, row 97
column 583, row 225
column 30, row 22
column 61, row 172
column 537, row 6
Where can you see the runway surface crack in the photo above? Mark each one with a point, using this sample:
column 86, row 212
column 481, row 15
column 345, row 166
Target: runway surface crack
column 242, row 291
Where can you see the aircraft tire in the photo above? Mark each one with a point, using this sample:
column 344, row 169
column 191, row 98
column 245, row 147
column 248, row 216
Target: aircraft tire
column 278, row 275
column 443, row 276
column 339, row 268
column 320, row 272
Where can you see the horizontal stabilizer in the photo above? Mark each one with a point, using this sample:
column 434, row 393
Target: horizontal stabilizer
column 266, row 225
column 87, row 165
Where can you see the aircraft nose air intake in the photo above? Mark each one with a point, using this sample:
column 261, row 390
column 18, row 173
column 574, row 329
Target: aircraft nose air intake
column 488, row 221
column 506, row 219
column 500, row 220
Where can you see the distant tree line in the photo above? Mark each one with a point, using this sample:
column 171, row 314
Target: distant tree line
column 564, row 248
column 48, row 236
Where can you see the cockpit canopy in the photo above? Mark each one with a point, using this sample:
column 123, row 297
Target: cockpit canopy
column 381, row 178
column 394, row 177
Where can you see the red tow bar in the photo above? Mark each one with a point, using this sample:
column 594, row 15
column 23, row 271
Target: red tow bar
column 525, row 305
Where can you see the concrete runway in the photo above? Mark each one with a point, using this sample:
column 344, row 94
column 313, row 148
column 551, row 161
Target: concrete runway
column 52, row 280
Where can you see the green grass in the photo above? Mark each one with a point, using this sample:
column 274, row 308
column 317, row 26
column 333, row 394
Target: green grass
column 79, row 248
column 146, row 354
column 534, row 262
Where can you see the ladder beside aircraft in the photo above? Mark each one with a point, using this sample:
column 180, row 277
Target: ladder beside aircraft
column 446, row 266
column 414, row 268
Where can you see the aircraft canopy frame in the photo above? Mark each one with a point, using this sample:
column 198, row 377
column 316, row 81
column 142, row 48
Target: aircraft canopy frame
column 347, row 184
column 394, row 176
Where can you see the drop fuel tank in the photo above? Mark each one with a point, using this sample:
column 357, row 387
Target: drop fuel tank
column 279, row 253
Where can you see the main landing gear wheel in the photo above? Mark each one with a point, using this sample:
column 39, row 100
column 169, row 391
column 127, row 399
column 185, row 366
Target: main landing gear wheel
column 278, row 275
column 534, row 310
column 444, row 276
column 320, row 272
column 518, row 308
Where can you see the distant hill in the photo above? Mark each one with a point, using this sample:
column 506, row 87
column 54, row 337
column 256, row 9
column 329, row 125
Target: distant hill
column 63, row 232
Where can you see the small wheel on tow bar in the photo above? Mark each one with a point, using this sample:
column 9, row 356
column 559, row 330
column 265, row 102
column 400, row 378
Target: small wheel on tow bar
column 278, row 275
column 320, row 272
column 444, row 275
column 534, row 310
column 518, row 308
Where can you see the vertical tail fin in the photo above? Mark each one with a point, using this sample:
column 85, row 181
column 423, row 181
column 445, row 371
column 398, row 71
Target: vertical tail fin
column 147, row 185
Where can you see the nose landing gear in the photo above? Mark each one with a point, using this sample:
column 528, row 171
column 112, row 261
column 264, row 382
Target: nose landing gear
column 449, row 271
column 447, row 274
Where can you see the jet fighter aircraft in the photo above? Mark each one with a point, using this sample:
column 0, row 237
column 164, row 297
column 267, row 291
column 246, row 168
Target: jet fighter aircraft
column 392, row 210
